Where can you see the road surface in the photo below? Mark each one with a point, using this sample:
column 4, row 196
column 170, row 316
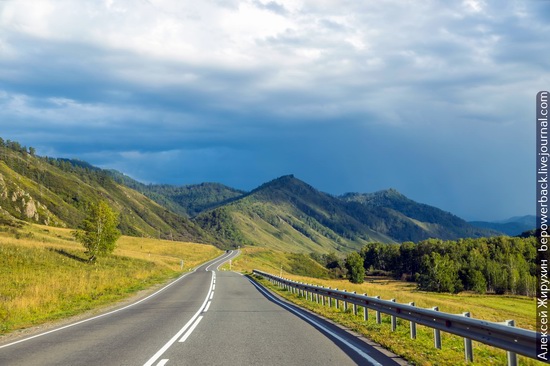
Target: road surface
column 207, row 317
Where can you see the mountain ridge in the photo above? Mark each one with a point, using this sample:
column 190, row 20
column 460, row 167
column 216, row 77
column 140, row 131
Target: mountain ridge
column 58, row 192
column 307, row 217
column 285, row 213
column 512, row 226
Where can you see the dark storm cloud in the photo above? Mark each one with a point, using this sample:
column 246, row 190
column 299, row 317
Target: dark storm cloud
column 434, row 99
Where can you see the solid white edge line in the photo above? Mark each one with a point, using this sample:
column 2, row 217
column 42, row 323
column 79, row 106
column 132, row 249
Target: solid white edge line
column 162, row 362
column 172, row 340
column 188, row 333
column 114, row 311
column 232, row 255
column 320, row 326
column 111, row 312
column 223, row 259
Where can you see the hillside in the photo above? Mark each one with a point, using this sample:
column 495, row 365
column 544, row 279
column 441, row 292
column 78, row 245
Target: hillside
column 513, row 226
column 285, row 213
column 288, row 214
column 57, row 192
column 433, row 221
column 188, row 200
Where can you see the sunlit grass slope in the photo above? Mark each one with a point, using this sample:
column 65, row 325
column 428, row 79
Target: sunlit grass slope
column 45, row 275
column 420, row 351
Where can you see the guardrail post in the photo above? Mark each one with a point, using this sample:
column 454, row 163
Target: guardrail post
column 337, row 302
column 365, row 311
column 354, row 306
column 512, row 356
column 345, row 304
column 393, row 320
column 437, row 333
column 329, row 300
column 378, row 315
column 468, row 350
column 412, row 325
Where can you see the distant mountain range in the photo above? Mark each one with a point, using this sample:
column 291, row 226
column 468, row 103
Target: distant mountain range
column 285, row 213
column 513, row 226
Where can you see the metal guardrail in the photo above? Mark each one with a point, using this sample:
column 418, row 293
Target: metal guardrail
column 499, row 335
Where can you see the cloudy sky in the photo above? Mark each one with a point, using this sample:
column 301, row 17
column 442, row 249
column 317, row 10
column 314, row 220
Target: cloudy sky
column 433, row 98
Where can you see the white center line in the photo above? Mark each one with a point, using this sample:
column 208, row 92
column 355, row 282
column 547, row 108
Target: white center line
column 188, row 333
column 162, row 362
column 211, row 295
column 111, row 312
column 207, row 307
column 160, row 352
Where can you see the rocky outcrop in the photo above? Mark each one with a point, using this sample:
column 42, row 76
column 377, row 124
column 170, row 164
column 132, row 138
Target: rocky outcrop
column 22, row 205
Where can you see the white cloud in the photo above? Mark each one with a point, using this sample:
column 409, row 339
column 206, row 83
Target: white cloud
column 228, row 72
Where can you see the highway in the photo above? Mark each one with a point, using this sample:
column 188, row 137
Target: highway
column 206, row 317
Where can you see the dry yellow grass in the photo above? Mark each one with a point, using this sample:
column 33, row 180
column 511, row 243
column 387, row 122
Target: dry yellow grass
column 45, row 274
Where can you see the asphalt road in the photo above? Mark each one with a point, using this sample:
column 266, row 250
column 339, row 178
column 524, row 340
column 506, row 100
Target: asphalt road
column 207, row 317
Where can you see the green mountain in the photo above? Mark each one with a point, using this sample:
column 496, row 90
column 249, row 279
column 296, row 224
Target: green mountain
column 187, row 200
column 285, row 213
column 58, row 191
column 512, row 226
column 427, row 221
column 289, row 214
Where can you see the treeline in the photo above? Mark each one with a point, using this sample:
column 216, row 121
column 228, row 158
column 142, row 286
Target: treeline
column 17, row 147
column 485, row 265
column 496, row 265
column 219, row 223
column 16, row 156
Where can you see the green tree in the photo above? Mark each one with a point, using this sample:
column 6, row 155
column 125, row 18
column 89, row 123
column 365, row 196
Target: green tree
column 439, row 274
column 98, row 232
column 476, row 282
column 356, row 271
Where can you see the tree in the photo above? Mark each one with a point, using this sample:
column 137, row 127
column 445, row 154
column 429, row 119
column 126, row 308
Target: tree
column 98, row 232
column 356, row 271
column 439, row 274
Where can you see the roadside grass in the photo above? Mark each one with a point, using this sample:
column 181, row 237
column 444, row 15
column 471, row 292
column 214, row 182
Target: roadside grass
column 45, row 274
column 420, row 351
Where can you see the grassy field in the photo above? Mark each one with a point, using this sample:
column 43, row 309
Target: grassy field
column 420, row 351
column 45, row 274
